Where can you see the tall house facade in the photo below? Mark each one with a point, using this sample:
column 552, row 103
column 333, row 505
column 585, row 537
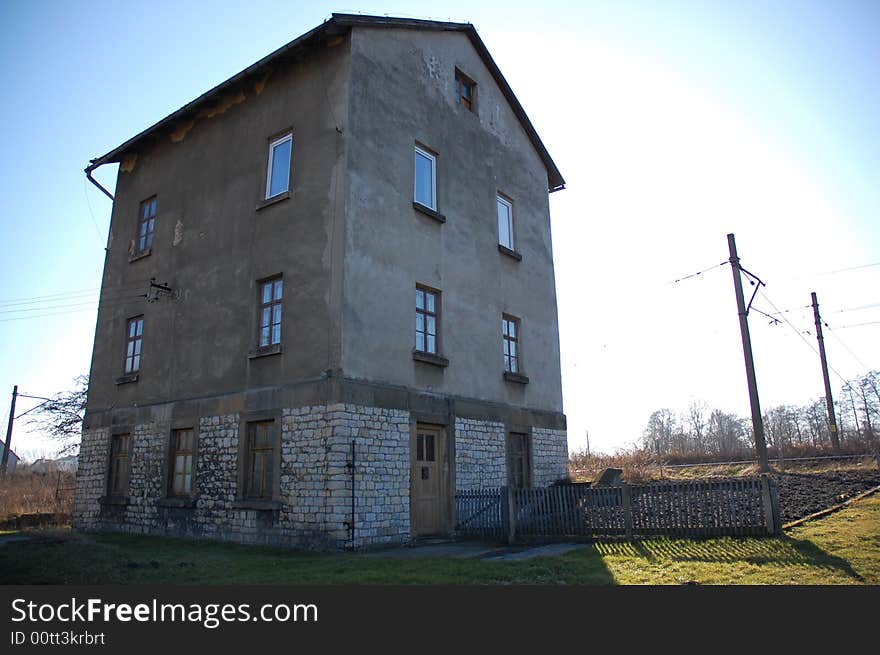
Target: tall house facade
column 328, row 300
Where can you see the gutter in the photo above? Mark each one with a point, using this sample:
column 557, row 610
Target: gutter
column 92, row 166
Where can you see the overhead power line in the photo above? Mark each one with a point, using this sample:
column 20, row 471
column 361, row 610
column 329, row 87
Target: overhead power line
column 706, row 270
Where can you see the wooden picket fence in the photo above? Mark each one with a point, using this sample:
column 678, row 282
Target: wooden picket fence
column 741, row 506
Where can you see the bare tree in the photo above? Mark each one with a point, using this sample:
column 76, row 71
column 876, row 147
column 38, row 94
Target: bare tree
column 61, row 416
column 696, row 419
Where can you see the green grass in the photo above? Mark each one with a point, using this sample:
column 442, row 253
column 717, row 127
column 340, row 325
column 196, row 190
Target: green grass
column 843, row 548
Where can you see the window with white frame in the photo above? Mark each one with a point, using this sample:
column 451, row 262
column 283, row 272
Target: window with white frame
column 271, row 292
column 134, row 338
column 425, row 192
column 278, row 173
column 505, row 222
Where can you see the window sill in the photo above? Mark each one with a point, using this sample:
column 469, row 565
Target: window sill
column 430, row 358
column 182, row 502
column 519, row 378
column 510, row 253
column 264, row 505
column 266, row 351
column 117, row 501
column 140, row 255
column 127, row 379
column 273, row 200
column 427, row 211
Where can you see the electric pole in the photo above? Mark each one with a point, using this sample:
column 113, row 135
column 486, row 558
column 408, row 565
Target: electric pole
column 6, row 447
column 829, row 401
column 757, row 420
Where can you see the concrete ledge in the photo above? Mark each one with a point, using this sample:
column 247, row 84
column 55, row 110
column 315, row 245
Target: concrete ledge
column 427, row 211
column 127, row 379
column 516, row 377
column 140, row 255
column 510, row 253
column 266, row 352
column 430, row 358
column 273, row 200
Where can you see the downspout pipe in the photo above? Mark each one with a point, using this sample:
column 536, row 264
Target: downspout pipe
column 92, row 166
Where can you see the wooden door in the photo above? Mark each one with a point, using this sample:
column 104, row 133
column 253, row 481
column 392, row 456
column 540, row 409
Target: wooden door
column 428, row 485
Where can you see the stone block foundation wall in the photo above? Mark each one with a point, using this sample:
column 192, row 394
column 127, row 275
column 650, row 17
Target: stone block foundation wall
column 315, row 483
column 314, row 504
column 480, row 454
column 549, row 456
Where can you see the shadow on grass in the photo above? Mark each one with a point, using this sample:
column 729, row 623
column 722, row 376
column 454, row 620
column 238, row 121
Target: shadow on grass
column 784, row 551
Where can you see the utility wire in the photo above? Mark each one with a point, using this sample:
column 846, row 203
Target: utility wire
column 844, row 327
column 688, row 277
column 801, row 336
column 840, row 341
column 64, row 295
column 851, row 268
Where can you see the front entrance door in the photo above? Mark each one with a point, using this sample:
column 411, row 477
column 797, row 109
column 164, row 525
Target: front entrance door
column 428, row 481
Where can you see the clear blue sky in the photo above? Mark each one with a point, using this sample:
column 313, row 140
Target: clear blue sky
column 673, row 123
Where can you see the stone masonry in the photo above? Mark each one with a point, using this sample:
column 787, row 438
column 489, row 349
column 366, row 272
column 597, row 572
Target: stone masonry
column 480, row 460
column 314, row 505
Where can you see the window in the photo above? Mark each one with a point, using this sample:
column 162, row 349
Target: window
column 146, row 225
column 278, row 174
column 465, row 90
column 505, row 222
column 270, row 312
column 119, row 449
column 427, row 306
column 510, row 339
column 183, row 447
column 518, row 461
column 425, row 179
column 260, row 471
column 133, row 346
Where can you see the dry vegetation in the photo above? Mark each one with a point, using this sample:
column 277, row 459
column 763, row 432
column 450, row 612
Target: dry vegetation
column 29, row 498
column 641, row 466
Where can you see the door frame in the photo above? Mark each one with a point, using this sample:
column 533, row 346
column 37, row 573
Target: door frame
column 443, row 424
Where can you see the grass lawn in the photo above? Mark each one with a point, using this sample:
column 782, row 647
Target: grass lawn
column 843, row 548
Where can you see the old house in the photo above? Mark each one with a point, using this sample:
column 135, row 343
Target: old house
column 328, row 299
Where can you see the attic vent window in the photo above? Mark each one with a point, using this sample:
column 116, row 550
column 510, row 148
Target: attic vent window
column 465, row 90
column 278, row 173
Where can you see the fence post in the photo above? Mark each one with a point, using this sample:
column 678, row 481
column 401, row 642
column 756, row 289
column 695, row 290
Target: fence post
column 627, row 511
column 505, row 512
column 511, row 515
column 769, row 520
column 774, row 503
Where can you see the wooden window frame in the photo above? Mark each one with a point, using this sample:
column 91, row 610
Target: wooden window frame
column 143, row 242
column 421, row 150
column 501, row 199
column 425, row 313
column 261, row 306
column 274, row 142
column 132, row 360
column 462, row 80
column 526, row 438
column 119, row 464
column 173, row 452
column 246, row 461
column 512, row 363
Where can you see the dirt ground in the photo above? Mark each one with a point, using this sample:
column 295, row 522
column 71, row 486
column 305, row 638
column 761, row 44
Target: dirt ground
column 802, row 494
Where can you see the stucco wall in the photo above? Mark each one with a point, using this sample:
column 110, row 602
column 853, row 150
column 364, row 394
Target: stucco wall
column 402, row 92
column 211, row 243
